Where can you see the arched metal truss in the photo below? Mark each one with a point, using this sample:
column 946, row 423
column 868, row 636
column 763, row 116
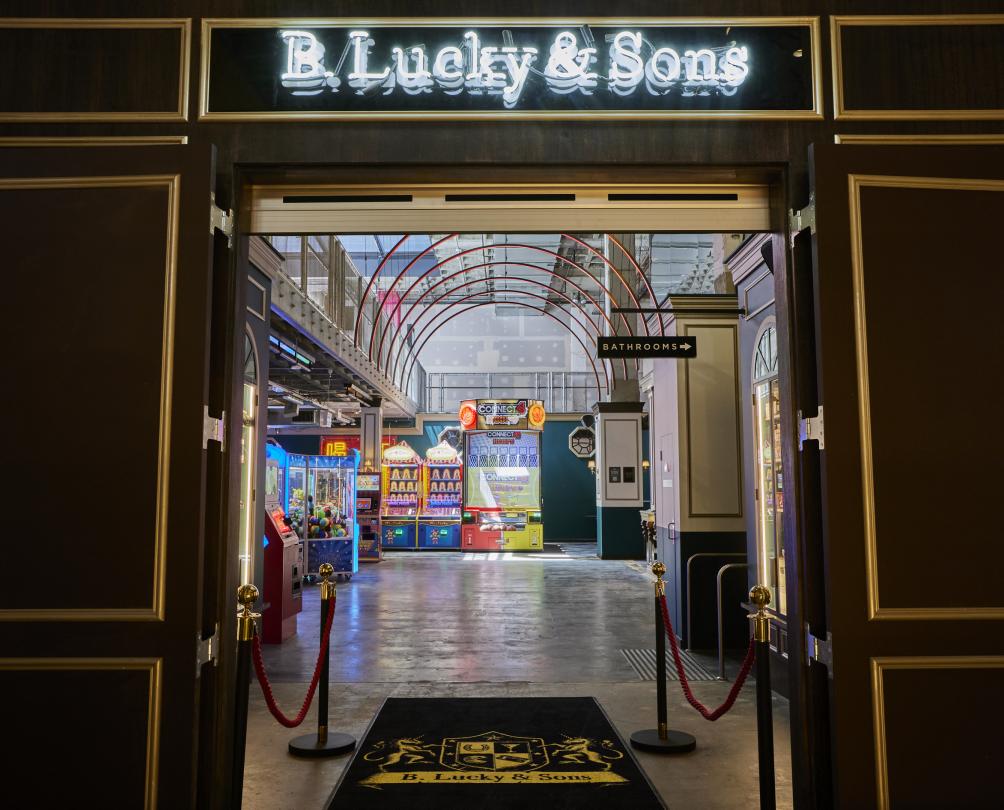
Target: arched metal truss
column 595, row 329
column 418, row 352
column 514, row 245
column 535, row 267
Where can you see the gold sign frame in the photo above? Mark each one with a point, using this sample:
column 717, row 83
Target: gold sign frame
column 809, row 22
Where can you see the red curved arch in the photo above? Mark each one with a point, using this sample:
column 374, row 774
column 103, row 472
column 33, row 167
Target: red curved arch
column 414, row 358
column 551, row 273
column 376, row 316
column 595, row 328
column 576, row 265
column 373, row 278
column 517, row 304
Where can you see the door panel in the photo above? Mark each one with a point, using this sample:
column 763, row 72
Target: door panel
column 105, row 317
column 908, row 282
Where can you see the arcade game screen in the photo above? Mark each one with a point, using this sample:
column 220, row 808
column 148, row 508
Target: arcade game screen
column 503, row 469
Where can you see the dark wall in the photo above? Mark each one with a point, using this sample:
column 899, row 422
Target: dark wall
column 307, row 445
column 521, row 143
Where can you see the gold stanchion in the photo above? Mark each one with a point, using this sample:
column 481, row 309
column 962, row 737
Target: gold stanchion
column 661, row 740
column 247, row 595
column 760, row 596
column 323, row 744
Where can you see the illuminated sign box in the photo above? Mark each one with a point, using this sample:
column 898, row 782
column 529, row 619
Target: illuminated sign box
column 395, row 68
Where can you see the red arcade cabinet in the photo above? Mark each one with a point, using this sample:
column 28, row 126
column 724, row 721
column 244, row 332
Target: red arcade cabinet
column 281, row 580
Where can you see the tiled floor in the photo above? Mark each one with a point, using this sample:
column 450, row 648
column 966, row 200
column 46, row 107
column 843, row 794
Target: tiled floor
column 449, row 624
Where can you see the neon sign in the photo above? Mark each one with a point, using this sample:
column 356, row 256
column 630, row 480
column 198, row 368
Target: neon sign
column 342, row 69
column 471, row 66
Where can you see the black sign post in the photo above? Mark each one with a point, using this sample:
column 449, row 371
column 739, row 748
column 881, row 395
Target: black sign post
column 614, row 346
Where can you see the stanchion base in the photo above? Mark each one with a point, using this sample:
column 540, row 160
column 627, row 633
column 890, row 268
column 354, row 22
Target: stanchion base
column 676, row 742
column 308, row 746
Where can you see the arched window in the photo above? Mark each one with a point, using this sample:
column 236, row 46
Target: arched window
column 765, row 359
column 769, row 477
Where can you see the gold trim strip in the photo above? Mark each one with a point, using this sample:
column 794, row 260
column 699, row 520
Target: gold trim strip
column 840, row 110
column 922, row 140
column 94, row 140
column 857, row 182
column 184, row 26
column 172, row 182
column 810, row 22
column 878, row 667
column 152, row 665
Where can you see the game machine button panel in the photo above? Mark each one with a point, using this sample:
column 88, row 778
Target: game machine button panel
column 400, row 494
column 332, row 529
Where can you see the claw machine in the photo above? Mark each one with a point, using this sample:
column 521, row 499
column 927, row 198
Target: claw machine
column 331, row 529
column 400, row 493
column 442, row 497
column 502, row 506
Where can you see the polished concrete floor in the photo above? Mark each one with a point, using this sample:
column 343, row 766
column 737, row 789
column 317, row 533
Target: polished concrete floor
column 447, row 624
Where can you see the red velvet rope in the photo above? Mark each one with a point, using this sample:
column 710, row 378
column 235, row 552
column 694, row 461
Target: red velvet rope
column 705, row 712
column 266, row 687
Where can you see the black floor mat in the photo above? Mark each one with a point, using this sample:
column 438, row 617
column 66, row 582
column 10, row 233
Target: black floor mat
column 498, row 753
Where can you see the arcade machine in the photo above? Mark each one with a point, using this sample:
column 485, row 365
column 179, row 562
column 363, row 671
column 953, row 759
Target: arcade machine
column 296, row 495
column 332, row 534
column 281, row 580
column 502, row 503
column 368, row 515
column 399, row 502
column 439, row 515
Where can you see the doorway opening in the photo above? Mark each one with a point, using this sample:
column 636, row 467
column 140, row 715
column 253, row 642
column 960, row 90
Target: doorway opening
column 506, row 565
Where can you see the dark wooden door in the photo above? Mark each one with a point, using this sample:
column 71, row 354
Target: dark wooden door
column 908, row 282
column 107, row 256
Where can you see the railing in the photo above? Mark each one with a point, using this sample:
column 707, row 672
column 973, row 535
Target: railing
column 561, row 391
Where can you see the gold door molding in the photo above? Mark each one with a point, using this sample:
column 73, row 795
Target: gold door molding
column 155, row 612
column 921, row 140
column 153, row 666
column 879, row 665
column 811, row 23
column 856, row 183
column 92, row 140
column 182, row 25
column 840, row 109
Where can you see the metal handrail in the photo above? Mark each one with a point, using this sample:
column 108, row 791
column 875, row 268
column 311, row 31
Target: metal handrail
column 721, row 631
column 690, row 559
